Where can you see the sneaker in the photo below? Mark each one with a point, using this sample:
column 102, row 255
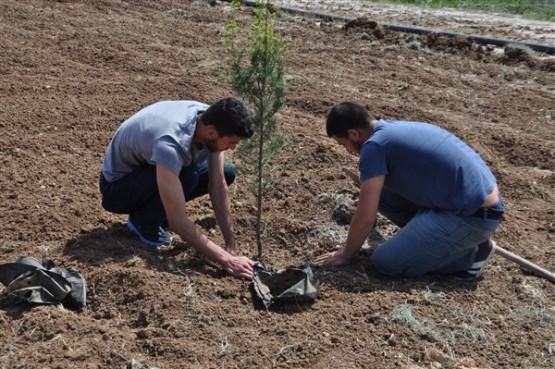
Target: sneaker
column 485, row 251
column 151, row 235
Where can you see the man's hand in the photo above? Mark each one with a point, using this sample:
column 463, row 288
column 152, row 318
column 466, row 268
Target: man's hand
column 239, row 266
column 334, row 258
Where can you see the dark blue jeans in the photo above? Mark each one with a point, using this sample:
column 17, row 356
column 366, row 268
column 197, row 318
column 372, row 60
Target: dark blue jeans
column 137, row 194
column 429, row 240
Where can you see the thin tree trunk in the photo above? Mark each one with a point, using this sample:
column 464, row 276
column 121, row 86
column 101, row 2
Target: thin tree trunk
column 260, row 176
column 262, row 115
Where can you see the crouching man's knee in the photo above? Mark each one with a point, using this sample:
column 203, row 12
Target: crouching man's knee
column 391, row 264
column 384, row 262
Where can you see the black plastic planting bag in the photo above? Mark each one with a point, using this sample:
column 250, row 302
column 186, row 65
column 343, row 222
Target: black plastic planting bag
column 31, row 282
column 289, row 285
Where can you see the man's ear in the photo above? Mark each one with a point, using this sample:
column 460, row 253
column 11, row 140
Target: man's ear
column 353, row 134
column 211, row 132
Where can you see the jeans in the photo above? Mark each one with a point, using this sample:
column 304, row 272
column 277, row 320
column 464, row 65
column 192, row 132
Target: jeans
column 429, row 241
column 137, row 194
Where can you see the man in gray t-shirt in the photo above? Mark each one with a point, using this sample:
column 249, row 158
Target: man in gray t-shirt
column 171, row 152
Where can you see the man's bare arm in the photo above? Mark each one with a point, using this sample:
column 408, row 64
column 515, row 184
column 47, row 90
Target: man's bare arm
column 365, row 214
column 361, row 224
column 219, row 196
column 173, row 200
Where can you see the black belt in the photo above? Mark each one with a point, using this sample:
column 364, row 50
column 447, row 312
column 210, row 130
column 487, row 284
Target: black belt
column 487, row 213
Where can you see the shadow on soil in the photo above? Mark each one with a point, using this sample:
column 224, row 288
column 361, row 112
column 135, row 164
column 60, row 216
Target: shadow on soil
column 117, row 245
column 361, row 277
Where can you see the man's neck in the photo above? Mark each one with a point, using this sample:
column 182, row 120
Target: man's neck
column 198, row 135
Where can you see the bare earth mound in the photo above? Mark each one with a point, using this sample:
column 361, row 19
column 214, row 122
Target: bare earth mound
column 71, row 71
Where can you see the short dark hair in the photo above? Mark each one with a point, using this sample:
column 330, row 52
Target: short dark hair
column 230, row 116
column 345, row 116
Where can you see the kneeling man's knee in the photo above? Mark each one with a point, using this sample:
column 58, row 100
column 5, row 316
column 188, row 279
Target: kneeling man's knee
column 385, row 262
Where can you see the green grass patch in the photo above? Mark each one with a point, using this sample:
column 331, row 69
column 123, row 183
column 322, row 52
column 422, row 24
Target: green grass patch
column 534, row 9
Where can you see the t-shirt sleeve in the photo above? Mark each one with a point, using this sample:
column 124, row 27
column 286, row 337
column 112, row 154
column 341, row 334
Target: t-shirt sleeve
column 166, row 152
column 372, row 161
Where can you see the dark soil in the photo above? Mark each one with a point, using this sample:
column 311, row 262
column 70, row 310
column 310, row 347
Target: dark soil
column 72, row 71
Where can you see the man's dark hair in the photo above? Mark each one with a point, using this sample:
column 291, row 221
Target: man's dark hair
column 230, row 116
column 345, row 116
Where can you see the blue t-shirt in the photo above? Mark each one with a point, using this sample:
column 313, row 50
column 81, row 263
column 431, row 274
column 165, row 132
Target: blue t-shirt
column 427, row 165
column 161, row 133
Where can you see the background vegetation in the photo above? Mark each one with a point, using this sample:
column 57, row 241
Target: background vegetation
column 535, row 9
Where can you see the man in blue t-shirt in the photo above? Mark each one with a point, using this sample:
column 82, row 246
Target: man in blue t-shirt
column 171, row 152
column 428, row 182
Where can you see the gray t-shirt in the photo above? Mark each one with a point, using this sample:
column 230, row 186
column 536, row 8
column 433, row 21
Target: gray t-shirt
column 161, row 133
